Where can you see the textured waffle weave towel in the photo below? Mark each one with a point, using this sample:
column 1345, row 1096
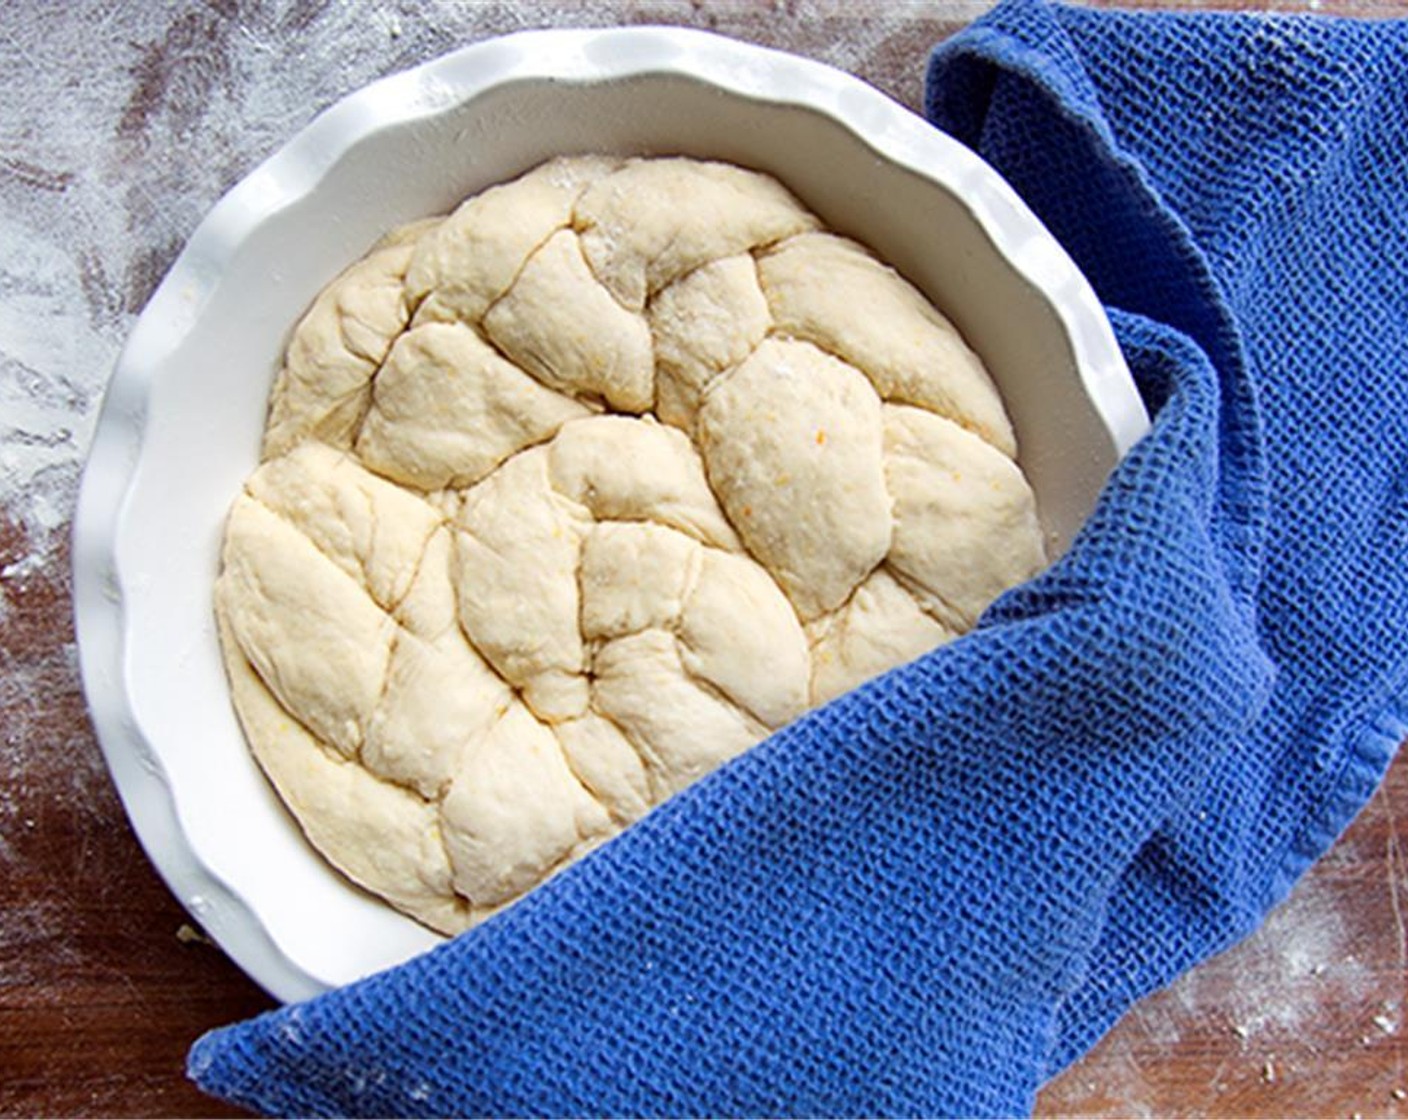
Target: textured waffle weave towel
column 933, row 894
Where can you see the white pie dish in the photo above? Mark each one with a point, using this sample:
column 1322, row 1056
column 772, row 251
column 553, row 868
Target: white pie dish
column 181, row 423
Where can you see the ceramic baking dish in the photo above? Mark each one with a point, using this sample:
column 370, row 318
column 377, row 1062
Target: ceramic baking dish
column 181, row 424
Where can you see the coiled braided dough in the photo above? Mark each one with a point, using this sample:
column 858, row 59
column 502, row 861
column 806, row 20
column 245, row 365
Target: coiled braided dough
column 575, row 494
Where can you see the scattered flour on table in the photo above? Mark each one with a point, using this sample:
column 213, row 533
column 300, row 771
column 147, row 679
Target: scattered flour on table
column 1271, row 993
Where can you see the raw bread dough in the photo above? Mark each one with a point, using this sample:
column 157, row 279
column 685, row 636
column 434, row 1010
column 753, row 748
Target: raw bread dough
column 574, row 495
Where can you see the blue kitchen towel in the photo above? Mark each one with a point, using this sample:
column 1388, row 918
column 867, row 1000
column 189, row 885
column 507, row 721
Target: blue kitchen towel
column 933, row 894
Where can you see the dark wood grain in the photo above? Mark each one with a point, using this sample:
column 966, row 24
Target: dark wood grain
column 100, row 998
column 1305, row 1018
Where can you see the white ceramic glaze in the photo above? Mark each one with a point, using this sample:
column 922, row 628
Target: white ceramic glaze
column 181, row 423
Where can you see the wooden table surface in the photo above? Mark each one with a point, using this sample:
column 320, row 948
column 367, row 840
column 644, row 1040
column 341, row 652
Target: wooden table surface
column 121, row 125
